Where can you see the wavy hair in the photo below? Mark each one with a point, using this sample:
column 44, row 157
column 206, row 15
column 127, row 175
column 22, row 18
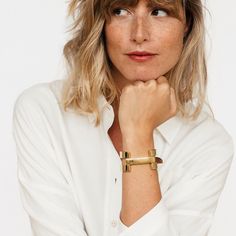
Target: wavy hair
column 88, row 69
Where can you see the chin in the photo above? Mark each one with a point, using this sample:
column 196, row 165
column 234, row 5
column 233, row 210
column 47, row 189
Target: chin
column 142, row 76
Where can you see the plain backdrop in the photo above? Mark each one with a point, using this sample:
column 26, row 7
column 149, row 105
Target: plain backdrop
column 32, row 35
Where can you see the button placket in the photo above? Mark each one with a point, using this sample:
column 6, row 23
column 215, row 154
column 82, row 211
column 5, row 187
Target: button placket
column 115, row 189
column 113, row 223
column 115, row 196
column 114, row 202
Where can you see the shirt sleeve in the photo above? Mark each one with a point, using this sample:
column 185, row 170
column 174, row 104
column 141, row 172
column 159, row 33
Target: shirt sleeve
column 193, row 200
column 45, row 193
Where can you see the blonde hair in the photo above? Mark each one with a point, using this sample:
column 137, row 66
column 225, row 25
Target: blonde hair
column 89, row 73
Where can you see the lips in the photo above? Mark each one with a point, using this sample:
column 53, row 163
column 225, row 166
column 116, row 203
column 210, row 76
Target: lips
column 140, row 56
column 140, row 53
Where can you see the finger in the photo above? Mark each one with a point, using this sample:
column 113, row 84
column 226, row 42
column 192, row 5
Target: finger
column 151, row 81
column 138, row 82
column 163, row 83
column 162, row 79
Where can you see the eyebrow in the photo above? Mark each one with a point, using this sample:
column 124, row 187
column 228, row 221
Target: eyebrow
column 170, row 5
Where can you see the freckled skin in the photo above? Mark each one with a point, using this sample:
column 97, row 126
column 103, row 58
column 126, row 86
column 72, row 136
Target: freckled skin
column 138, row 29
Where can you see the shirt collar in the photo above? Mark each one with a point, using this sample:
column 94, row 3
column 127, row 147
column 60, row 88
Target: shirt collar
column 168, row 129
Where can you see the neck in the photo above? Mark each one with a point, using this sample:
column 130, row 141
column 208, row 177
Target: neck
column 120, row 82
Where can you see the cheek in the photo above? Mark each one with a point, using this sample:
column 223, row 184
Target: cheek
column 172, row 40
column 113, row 38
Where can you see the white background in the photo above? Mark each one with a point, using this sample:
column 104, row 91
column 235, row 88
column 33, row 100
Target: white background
column 32, row 35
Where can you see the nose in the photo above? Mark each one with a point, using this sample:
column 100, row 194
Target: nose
column 140, row 30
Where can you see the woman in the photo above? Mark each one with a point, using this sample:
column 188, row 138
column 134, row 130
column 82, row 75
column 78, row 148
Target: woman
column 136, row 84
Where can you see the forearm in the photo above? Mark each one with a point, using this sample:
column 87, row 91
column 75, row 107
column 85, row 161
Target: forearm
column 140, row 187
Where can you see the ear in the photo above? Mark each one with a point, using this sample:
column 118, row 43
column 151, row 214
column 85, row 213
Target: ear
column 186, row 29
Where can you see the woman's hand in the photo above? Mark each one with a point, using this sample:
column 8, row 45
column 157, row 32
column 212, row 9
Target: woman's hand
column 145, row 105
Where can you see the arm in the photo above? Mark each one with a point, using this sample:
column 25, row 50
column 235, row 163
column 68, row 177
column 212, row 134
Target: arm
column 187, row 207
column 46, row 194
column 140, row 187
column 143, row 106
column 192, row 201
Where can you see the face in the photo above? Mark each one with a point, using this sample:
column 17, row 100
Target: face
column 142, row 42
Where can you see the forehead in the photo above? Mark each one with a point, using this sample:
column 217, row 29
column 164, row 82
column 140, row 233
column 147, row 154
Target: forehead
column 149, row 3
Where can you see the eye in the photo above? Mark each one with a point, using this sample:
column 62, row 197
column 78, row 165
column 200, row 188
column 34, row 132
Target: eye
column 119, row 12
column 159, row 12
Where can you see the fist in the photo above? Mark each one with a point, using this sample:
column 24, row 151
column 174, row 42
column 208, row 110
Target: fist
column 145, row 105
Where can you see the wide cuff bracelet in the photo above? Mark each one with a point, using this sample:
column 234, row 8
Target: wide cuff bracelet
column 128, row 161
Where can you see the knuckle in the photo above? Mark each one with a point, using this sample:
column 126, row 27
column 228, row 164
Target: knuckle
column 162, row 79
column 151, row 83
column 126, row 89
column 164, row 86
column 138, row 83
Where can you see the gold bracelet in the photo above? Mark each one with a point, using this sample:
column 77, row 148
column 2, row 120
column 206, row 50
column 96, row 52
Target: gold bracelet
column 150, row 159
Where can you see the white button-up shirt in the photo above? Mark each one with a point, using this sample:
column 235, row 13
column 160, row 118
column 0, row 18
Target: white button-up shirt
column 70, row 174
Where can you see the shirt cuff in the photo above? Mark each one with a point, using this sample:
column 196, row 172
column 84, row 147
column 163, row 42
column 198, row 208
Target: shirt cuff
column 148, row 224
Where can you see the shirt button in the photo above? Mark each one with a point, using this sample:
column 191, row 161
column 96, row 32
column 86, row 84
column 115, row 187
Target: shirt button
column 114, row 223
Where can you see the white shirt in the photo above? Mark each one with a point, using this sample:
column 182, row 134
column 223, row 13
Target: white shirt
column 70, row 174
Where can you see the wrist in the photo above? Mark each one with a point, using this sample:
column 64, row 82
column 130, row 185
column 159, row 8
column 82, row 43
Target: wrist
column 138, row 145
column 136, row 133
